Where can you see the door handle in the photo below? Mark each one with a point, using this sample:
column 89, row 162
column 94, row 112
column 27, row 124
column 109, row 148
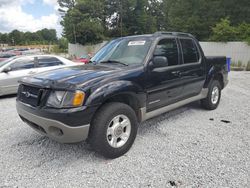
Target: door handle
column 32, row 72
column 176, row 73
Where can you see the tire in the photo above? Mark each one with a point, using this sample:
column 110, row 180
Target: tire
column 113, row 130
column 213, row 98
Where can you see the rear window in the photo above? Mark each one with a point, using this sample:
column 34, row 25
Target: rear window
column 190, row 51
column 49, row 62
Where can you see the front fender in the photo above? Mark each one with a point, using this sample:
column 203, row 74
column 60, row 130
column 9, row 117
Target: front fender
column 109, row 90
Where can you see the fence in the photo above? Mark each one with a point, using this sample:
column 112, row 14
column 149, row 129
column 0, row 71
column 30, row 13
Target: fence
column 79, row 50
column 238, row 51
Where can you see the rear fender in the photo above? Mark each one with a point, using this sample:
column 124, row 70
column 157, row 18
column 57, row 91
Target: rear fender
column 212, row 74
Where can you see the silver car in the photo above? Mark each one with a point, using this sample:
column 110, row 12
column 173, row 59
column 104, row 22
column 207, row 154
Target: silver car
column 14, row 69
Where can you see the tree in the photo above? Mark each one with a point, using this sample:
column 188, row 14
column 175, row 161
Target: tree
column 61, row 47
column 194, row 17
column 32, row 38
column 4, row 38
column 236, row 11
column 243, row 32
column 224, row 31
column 63, row 43
column 44, row 36
column 90, row 21
column 144, row 21
column 68, row 4
column 157, row 9
column 48, row 35
column 16, row 37
column 83, row 23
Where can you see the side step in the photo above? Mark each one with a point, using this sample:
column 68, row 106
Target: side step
column 148, row 115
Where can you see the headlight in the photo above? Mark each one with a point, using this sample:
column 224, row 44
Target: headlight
column 66, row 99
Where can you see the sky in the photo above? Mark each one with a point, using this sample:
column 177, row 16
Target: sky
column 29, row 15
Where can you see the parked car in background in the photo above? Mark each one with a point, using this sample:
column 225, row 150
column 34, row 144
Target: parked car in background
column 13, row 69
column 4, row 56
column 34, row 51
column 83, row 59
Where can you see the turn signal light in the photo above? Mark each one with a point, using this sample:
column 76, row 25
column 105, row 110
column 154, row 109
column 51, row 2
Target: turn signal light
column 78, row 98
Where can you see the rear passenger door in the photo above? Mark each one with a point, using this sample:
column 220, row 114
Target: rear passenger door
column 192, row 69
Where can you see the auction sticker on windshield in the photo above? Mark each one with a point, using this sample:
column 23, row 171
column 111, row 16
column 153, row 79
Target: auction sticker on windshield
column 137, row 43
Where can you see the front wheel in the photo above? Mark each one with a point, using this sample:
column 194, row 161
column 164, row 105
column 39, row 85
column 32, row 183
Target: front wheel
column 214, row 95
column 113, row 130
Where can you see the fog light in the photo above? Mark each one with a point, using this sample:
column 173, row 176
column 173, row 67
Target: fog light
column 54, row 131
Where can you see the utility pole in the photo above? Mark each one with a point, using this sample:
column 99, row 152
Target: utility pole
column 74, row 30
column 121, row 19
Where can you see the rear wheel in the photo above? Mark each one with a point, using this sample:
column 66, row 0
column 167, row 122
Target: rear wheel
column 214, row 95
column 113, row 130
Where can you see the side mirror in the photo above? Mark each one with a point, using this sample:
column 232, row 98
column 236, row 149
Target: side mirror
column 160, row 61
column 7, row 69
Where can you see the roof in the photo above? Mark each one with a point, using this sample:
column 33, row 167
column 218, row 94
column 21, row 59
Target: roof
column 161, row 33
column 180, row 34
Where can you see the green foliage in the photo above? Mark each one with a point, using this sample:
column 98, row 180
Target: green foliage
column 44, row 36
column 240, row 64
column 48, row 35
column 56, row 50
column 63, row 44
column 224, row 31
column 89, row 21
column 233, row 64
column 83, row 23
column 4, row 38
column 61, row 47
column 237, row 66
column 67, row 3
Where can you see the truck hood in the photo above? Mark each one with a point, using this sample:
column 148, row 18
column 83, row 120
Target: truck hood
column 69, row 77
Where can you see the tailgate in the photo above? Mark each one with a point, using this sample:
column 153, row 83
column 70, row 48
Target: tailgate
column 219, row 62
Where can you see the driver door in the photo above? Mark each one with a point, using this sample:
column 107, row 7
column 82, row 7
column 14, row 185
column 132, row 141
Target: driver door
column 18, row 69
column 164, row 83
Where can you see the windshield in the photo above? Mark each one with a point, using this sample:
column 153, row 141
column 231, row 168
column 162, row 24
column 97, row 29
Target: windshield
column 126, row 51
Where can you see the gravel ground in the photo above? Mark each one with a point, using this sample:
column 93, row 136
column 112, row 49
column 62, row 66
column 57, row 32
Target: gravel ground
column 188, row 147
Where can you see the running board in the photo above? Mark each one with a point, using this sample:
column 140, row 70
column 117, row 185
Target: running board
column 148, row 115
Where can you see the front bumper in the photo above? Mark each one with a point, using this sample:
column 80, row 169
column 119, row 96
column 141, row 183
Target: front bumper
column 53, row 128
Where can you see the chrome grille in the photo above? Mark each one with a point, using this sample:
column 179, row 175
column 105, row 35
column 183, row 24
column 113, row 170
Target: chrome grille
column 30, row 95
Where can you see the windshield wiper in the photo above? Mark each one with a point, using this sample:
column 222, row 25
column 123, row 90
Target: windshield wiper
column 114, row 61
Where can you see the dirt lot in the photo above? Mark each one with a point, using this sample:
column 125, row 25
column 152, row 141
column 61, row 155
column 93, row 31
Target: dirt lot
column 188, row 147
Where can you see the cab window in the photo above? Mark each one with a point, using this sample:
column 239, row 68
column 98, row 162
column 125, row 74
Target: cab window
column 190, row 51
column 169, row 49
column 48, row 62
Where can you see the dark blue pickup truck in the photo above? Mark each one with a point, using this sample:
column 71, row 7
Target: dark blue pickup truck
column 130, row 80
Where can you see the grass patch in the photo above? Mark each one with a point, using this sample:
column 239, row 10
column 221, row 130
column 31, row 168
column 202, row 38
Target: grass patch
column 248, row 66
column 237, row 66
